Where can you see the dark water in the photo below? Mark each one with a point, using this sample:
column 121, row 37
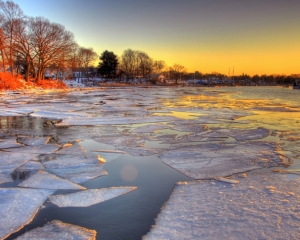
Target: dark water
column 129, row 216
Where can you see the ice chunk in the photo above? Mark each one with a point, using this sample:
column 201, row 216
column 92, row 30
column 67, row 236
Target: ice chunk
column 150, row 128
column 80, row 174
column 132, row 140
column 26, row 169
column 41, row 149
column 57, row 114
column 9, row 143
column 75, row 149
column 59, row 230
column 48, row 181
column 196, row 128
column 213, row 160
column 18, row 207
column 71, row 161
column 89, row 197
column 33, row 141
column 5, row 177
column 242, row 135
column 201, row 210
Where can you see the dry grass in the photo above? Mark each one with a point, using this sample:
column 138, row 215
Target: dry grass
column 8, row 82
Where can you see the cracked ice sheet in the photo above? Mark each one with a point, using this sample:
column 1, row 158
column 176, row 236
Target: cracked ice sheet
column 133, row 140
column 196, row 128
column 59, row 230
column 242, row 135
column 261, row 206
column 18, row 207
column 89, row 197
column 114, row 121
column 46, row 180
column 58, row 115
column 212, row 160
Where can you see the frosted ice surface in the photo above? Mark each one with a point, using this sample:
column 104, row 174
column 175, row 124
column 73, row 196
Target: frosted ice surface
column 150, row 128
column 33, row 141
column 89, row 197
column 55, row 230
column 112, row 121
column 5, row 177
column 242, row 135
column 9, row 143
column 212, row 160
column 18, row 207
column 46, row 180
column 262, row 206
column 41, row 149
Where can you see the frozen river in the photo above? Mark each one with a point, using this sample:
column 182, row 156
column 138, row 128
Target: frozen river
column 152, row 163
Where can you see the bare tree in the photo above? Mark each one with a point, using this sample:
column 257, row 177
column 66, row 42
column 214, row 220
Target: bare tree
column 178, row 70
column 50, row 42
column 86, row 56
column 144, row 64
column 158, row 66
column 12, row 15
column 128, row 63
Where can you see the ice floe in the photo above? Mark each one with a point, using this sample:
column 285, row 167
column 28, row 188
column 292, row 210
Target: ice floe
column 252, row 209
column 46, row 180
column 89, row 197
column 211, row 160
column 150, row 128
column 59, row 230
column 18, row 207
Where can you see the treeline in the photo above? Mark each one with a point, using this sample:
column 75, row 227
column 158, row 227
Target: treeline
column 29, row 46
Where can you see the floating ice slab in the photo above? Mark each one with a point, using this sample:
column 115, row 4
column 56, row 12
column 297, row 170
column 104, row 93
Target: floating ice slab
column 48, row 181
column 133, row 140
column 89, row 197
column 141, row 151
column 71, row 161
column 59, row 230
column 18, row 207
column 80, row 174
column 212, row 160
column 262, row 206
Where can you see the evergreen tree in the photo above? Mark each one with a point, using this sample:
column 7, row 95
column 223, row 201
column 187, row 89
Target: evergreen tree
column 108, row 64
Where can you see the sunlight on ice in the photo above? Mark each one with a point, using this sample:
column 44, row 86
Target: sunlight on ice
column 89, row 197
column 251, row 209
column 59, row 230
column 46, row 180
column 18, row 207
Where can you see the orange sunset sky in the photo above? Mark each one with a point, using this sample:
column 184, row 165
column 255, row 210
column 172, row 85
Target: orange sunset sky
column 257, row 36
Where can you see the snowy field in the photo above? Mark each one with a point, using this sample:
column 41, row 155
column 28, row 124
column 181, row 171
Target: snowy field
column 240, row 148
